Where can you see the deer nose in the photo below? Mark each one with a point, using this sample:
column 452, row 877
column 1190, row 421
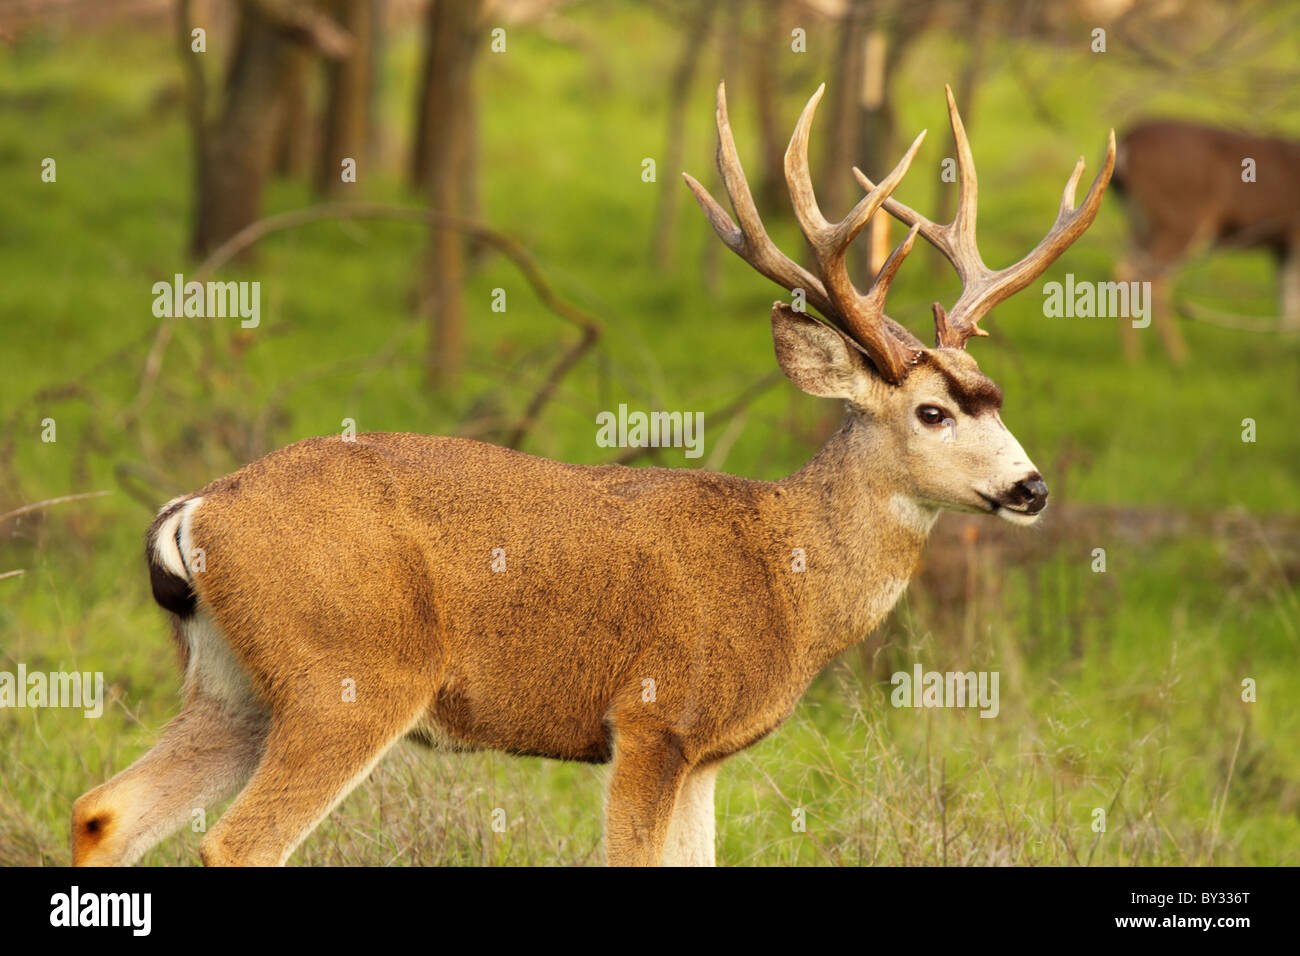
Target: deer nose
column 1030, row 493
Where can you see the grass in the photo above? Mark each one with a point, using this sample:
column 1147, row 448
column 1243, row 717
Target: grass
column 1120, row 691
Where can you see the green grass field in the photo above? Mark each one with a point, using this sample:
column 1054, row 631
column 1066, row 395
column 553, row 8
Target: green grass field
column 1120, row 691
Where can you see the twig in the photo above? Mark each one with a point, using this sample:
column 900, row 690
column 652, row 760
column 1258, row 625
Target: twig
column 12, row 574
column 152, row 367
column 552, row 381
column 25, row 509
column 133, row 478
column 722, row 447
column 738, row 403
column 1227, row 320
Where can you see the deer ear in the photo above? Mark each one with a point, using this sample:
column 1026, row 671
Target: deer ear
column 815, row 357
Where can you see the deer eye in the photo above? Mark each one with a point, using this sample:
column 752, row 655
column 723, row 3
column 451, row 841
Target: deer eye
column 931, row 415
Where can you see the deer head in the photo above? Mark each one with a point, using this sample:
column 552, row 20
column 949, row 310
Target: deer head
column 936, row 413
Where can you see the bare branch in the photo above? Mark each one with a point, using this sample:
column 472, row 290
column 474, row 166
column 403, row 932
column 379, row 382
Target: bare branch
column 726, row 412
column 304, row 23
column 254, row 232
column 36, row 505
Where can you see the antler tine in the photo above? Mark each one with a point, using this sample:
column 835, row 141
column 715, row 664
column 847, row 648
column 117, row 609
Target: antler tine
column 750, row 240
column 968, row 189
column 875, row 298
column 946, row 238
column 994, row 287
column 834, row 238
column 862, row 316
column 984, row 288
column 956, row 239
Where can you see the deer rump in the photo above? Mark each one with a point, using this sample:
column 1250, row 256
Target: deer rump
column 446, row 559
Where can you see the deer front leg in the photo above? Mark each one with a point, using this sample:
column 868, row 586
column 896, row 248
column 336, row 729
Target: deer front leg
column 1155, row 265
column 648, row 771
column 691, row 832
column 1129, row 269
column 1166, row 321
column 205, row 754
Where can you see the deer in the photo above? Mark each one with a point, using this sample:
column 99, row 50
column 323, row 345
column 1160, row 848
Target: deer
column 1187, row 190
column 654, row 619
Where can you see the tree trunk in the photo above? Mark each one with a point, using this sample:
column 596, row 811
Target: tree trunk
column 374, row 92
column 769, row 51
column 294, row 134
column 240, row 146
column 964, row 94
column 842, row 113
column 876, row 146
column 345, row 123
column 443, row 126
column 874, row 58
column 467, row 173
column 729, row 34
column 665, row 227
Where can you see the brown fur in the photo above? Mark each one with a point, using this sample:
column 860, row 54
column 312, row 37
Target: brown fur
column 722, row 649
column 1182, row 185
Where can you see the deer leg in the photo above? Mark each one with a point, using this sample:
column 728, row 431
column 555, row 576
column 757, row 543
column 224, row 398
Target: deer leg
column 648, row 771
column 206, row 753
column 691, row 831
column 313, row 759
column 1170, row 248
column 1290, row 291
column 1130, row 270
column 1154, row 262
column 1166, row 322
column 1160, row 315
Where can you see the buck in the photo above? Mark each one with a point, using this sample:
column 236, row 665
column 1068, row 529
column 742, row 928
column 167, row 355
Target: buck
column 656, row 619
column 1190, row 188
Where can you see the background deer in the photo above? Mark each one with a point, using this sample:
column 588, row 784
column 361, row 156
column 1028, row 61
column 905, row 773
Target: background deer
column 371, row 562
column 1184, row 189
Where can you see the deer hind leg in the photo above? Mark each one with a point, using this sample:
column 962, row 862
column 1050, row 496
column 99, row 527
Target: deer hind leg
column 691, row 831
column 316, row 753
column 207, row 752
column 648, row 771
column 1290, row 291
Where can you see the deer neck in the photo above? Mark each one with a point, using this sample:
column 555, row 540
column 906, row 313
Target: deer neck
column 863, row 534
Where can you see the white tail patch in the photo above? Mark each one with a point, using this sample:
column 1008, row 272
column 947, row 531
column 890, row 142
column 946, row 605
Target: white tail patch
column 212, row 667
column 168, row 553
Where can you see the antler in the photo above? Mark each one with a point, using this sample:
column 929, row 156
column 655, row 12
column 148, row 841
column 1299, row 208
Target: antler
column 983, row 288
column 860, row 317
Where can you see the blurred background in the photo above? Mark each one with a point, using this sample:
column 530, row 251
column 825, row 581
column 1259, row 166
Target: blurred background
column 516, row 252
